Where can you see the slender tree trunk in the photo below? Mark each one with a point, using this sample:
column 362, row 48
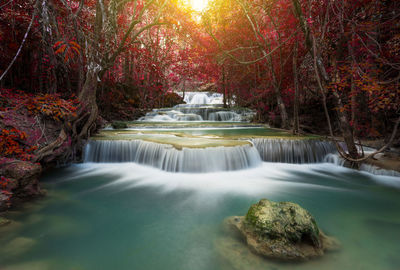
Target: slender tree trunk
column 296, row 93
column 346, row 127
column 183, row 90
column 224, row 86
column 353, row 92
column 282, row 108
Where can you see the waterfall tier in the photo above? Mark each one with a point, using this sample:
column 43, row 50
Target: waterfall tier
column 165, row 157
column 200, row 106
column 202, row 97
column 293, row 151
column 185, row 112
column 337, row 160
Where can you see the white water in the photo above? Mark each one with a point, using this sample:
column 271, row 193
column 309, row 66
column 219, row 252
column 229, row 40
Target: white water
column 202, row 98
column 226, row 116
column 167, row 158
column 266, row 179
column 200, row 106
column 293, row 151
column 339, row 161
column 210, row 159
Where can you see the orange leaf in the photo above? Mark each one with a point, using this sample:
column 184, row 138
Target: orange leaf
column 75, row 49
column 74, row 44
column 57, row 44
column 61, row 49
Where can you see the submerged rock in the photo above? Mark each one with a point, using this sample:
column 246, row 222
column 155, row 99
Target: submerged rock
column 283, row 231
column 4, row 221
column 18, row 246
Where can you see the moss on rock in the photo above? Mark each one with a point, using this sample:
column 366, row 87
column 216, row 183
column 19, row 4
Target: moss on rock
column 119, row 125
column 282, row 230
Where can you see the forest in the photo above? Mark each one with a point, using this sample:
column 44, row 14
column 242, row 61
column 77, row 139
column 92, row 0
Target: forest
column 73, row 73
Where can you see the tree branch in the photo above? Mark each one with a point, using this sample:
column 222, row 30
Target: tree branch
column 20, row 47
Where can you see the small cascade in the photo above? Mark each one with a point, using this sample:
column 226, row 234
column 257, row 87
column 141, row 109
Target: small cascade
column 224, row 116
column 166, row 157
column 378, row 171
column 200, row 106
column 189, row 117
column 293, row 151
column 337, row 160
column 200, row 98
column 196, row 98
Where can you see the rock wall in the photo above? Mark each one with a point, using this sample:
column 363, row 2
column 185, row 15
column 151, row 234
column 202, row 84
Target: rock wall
column 20, row 181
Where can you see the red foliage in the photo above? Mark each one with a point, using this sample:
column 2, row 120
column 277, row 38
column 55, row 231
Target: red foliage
column 50, row 105
column 12, row 144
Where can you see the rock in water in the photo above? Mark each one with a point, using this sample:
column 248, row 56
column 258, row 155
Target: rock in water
column 4, row 221
column 283, row 231
column 23, row 181
column 119, row 125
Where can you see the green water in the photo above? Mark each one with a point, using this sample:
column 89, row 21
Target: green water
column 127, row 216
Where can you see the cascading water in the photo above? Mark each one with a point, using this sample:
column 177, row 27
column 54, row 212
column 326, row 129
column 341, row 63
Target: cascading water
column 194, row 98
column 208, row 159
column 339, row 161
column 226, row 116
column 205, row 106
column 166, row 157
column 200, row 106
column 200, row 98
column 293, row 151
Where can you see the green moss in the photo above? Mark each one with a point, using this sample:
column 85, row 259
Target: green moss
column 119, row 125
column 251, row 215
column 282, row 221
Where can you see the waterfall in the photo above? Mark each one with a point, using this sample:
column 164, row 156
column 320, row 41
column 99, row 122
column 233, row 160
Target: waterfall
column 337, row 160
column 166, row 157
column 200, row 106
column 224, row 116
column 196, row 112
column 200, row 98
column 189, row 117
column 211, row 159
column 293, row 151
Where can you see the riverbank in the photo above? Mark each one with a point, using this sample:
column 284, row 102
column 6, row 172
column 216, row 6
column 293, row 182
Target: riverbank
column 33, row 138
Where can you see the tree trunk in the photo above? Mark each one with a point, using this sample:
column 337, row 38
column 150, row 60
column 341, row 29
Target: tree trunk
column 224, row 86
column 88, row 99
column 296, row 94
column 346, row 128
column 282, row 109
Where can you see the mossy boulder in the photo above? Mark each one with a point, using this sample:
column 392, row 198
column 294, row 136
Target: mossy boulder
column 282, row 230
column 119, row 125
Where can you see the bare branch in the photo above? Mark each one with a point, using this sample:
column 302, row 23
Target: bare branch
column 20, row 47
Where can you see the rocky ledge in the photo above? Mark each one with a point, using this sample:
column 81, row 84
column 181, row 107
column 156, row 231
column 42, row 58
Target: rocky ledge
column 282, row 231
column 20, row 181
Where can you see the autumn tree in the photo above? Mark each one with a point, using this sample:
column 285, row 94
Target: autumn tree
column 346, row 41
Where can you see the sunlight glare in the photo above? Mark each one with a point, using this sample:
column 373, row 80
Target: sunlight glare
column 198, row 5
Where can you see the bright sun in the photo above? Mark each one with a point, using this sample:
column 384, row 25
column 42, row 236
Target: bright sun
column 198, row 5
